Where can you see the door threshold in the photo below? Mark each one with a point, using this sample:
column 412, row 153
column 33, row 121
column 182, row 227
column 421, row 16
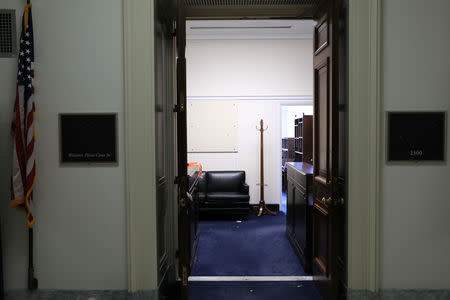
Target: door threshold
column 250, row 278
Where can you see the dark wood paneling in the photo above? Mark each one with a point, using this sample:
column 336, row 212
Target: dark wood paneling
column 308, row 139
column 321, row 246
column 321, row 35
column 164, row 136
column 322, row 105
column 329, row 138
column 299, row 219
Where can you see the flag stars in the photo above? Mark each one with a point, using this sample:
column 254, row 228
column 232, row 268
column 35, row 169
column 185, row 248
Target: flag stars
column 27, row 34
column 21, row 53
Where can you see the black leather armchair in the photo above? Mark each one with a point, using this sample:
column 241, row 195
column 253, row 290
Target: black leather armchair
column 223, row 193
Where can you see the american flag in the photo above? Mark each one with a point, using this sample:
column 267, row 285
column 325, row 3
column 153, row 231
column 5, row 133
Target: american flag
column 23, row 175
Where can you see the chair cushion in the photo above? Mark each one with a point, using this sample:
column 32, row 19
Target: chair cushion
column 225, row 181
column 201, row 197
column 229, row 197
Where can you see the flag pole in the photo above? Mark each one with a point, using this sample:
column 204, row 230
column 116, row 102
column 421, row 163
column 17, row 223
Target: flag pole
column 32, row 281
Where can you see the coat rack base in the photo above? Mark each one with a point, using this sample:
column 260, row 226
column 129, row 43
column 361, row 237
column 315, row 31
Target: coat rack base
column 264, row 210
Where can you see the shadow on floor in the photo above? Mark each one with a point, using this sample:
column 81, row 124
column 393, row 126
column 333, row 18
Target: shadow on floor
column 253, row 290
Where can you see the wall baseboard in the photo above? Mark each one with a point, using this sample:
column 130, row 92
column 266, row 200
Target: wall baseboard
column 80, row 295
column 393, row 294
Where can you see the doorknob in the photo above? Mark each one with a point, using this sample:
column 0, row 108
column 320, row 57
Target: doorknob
column 327, row 201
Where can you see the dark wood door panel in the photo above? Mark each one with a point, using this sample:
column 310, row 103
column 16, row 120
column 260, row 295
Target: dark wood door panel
column 321, row 35
column 321, row 241
column 328, row 223
column 322, row 107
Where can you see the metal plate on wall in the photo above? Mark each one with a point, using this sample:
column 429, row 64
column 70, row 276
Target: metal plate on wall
column 88, row 138
column 416, row 136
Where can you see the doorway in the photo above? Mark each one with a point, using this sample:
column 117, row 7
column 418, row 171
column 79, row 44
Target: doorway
column 328, row 184
column 207, row 94
column 289, row 120
column 240, row 72
column 364, row 127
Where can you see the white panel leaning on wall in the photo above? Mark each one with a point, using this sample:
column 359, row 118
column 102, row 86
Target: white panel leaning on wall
column 212, row 126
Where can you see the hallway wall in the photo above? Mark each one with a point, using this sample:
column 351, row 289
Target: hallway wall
column 415, row 198
column 259, row 75
column 80, row 210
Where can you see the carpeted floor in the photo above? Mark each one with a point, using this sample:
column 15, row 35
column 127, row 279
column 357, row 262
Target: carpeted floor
column 257, row 247
column 253, row 290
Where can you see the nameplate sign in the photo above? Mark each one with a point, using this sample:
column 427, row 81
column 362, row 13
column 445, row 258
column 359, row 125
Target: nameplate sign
column 88, row 138
column 416, row 136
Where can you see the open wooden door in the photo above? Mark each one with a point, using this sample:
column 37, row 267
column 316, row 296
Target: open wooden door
column 164, row 132
column 184, row 223
column 329, row 170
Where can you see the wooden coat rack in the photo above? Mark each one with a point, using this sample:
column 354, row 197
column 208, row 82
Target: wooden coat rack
column 262, row 209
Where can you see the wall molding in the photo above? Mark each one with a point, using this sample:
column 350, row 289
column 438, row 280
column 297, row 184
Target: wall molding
column 364, row 145
column 308, row 99
column 140, row 177
column 197, row 37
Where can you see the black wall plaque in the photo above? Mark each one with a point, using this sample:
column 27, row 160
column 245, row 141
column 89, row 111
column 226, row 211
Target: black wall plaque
column 416, row 136
column 90, row 138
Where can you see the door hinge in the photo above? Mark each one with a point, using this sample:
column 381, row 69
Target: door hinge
column 184, row 276
column 178, row 108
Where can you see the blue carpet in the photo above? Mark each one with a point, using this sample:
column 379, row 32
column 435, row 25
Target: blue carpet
column 253, row 290
column 257, row 247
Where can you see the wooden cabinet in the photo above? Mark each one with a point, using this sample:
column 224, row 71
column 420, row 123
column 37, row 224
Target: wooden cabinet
column 303, row 139
column 299, row 210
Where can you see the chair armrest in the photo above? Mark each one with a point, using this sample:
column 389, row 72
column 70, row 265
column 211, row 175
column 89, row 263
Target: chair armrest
column 245, row 188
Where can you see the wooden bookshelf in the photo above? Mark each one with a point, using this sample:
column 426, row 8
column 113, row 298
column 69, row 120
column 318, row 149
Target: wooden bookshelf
column 303, row 140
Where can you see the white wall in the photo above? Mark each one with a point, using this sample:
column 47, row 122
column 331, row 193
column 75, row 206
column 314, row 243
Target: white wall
column 80, row 210
column 260, row 75
column 288, row 116
column 249, row 67
column 415, row 206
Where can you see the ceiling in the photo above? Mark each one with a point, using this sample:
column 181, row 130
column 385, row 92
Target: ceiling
column 251, row 9
column 249, row 29
column 248, row 2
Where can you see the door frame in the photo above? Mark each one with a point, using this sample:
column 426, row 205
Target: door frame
column 364, row 144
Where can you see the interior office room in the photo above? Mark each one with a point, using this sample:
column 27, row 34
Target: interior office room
column 112, row 229
column 240, row 72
